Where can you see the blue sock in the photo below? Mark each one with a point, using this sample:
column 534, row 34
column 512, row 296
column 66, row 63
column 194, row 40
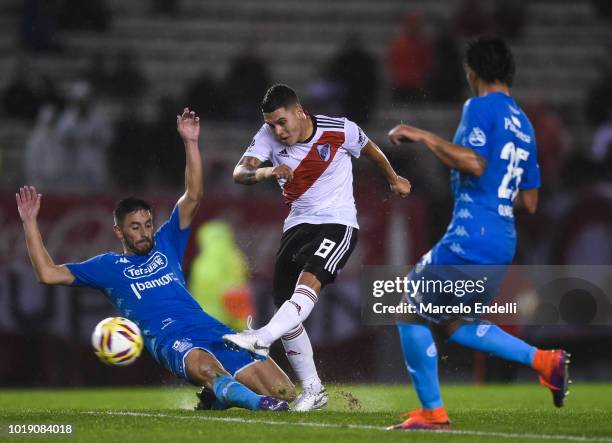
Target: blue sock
column 233, row 393
column 421, row 356
column 489, row 338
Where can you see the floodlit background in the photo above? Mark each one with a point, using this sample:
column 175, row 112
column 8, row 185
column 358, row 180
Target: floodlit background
column 89, row 91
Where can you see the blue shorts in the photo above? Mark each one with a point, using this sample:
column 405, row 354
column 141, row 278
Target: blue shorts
column 449, row 281
column 206, row 335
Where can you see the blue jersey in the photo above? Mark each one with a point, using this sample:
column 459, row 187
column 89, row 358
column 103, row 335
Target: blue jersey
column 150, row 290
column 482, row 229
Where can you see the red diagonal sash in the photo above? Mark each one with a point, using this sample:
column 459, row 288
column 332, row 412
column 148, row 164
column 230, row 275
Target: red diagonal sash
column 312, row 166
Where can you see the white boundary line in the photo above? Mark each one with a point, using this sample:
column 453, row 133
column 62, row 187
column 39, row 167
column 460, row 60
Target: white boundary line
column 552, row 437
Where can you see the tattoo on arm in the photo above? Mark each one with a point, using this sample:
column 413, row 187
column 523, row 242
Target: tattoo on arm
column 246, row 170
column 249, row 178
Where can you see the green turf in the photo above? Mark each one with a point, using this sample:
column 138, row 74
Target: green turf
column 355, row 414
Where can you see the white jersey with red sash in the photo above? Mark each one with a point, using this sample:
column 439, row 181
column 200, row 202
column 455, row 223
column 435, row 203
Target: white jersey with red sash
column 322, row 187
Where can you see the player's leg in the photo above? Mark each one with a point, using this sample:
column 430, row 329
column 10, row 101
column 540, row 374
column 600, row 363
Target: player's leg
column 291, row 259
column 421, row 358
column 296, row 343
column 294, row 302
column 203, row 369
column 328, row 254
column 491, row 339
column 300, row 354
column 298, row 347
column 286, row 272
column 266, row 378
column 479, row 335
column 551, row 365
column 324, row 258
column 319, row 257
column 293, row 312
column 198, row 355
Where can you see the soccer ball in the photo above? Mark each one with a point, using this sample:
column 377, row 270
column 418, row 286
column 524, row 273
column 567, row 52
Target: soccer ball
column 117, row 341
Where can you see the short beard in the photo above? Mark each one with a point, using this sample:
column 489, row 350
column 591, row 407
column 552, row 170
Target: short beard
column 132, row 247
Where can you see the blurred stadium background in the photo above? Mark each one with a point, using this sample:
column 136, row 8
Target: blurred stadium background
column 89, row 91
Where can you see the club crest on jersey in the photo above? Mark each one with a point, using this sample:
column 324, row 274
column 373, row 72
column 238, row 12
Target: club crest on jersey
column 324, row 151
column 477, row 137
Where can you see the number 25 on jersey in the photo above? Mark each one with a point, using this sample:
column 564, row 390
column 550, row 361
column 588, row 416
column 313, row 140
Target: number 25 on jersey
column 509, row 185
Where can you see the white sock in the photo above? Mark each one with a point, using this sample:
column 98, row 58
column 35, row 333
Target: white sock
column 292, row 313
column 299, row 353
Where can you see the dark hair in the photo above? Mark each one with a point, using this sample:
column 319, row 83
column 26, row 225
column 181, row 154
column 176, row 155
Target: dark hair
column 279, row 96
column 128, row 205
column 491, row 59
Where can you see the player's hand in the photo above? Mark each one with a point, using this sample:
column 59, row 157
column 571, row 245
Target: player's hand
column 28, row 203
column 401, row 187
column 282, row 172
column 188, row 126
column 405, row 134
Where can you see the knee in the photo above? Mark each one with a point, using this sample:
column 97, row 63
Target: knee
column 311, row 280
column 209, row 370
column 202, row 368
column 205, row 373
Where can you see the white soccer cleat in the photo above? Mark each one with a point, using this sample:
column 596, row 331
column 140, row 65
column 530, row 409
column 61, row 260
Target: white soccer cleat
column 250, row 341
column 310, row 400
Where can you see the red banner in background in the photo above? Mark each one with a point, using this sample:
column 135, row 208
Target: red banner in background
column 75, row 228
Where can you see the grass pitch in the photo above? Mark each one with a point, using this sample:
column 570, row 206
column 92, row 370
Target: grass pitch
column 356, row 413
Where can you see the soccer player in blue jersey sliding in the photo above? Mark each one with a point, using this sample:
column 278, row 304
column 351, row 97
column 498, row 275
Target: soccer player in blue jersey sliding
column 146, row 284
column 494, row 169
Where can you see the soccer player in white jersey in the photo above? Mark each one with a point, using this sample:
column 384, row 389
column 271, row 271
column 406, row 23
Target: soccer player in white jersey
column 311, row 160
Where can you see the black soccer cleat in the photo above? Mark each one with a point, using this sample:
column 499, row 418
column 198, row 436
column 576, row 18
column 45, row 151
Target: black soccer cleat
column 205, row 400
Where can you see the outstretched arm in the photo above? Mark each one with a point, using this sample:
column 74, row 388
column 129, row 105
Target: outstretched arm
column 28, row 205
column 248, row 172
column 188, row 126
column 454, row 156
column 399, row 185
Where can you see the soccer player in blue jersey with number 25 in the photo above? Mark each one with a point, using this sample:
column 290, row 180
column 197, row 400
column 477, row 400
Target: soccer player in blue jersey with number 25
column 146, row 284
column 494, row 168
